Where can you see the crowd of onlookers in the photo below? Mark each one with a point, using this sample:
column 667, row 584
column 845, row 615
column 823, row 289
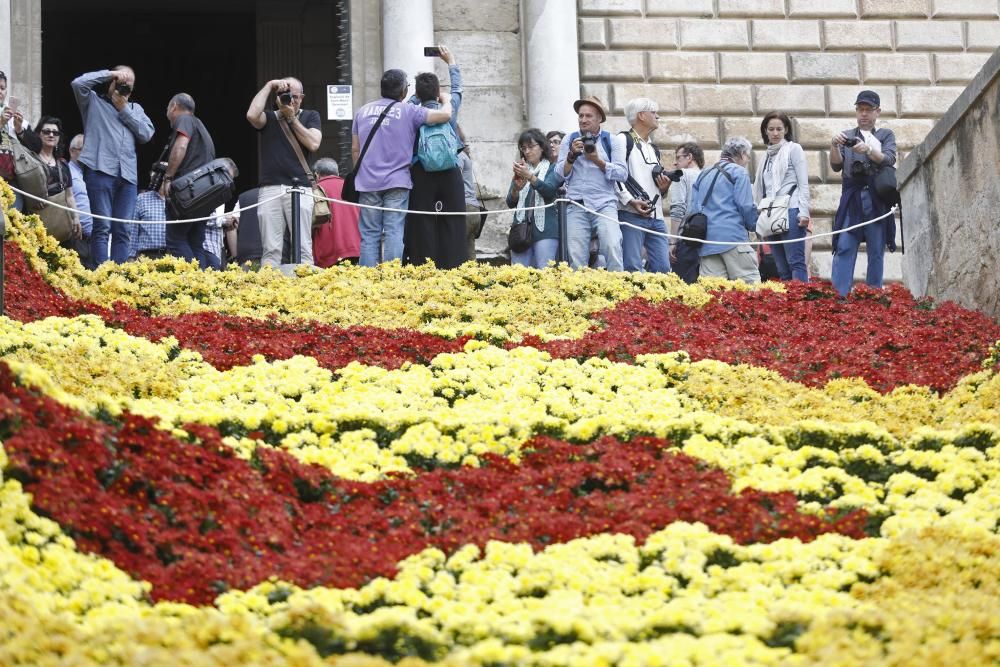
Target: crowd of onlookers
column 628, row 202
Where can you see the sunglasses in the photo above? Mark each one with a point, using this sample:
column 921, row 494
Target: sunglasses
column 51, row 133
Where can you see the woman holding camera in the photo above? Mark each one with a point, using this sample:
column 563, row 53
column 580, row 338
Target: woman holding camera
column 783, row 173
column 861, row 153
column 534, row 178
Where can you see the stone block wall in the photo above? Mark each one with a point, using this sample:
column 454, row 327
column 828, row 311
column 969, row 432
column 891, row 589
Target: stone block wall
column 717, row 66
column 950, row 187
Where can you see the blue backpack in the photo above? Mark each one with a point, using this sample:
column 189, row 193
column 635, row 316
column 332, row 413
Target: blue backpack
column 437, row 147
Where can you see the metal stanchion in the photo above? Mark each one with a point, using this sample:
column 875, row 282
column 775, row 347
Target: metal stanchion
column 296, row 253
column 561, row 208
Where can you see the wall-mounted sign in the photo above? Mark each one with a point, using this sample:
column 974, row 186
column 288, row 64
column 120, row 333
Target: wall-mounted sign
column 339, row 103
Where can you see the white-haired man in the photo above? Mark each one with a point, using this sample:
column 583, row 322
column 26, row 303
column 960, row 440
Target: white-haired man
column 640, row 196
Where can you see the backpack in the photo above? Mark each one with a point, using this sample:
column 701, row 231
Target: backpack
column 437, row 147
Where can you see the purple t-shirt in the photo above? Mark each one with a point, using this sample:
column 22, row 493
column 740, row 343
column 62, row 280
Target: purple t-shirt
column 387, row 162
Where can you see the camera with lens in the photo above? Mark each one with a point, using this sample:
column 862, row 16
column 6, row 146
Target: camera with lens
column 286, row 99
column 861, row 170
column 673, row 174
column 589, row 143
column 851, row 141
column 156, row 175
column 123, row 89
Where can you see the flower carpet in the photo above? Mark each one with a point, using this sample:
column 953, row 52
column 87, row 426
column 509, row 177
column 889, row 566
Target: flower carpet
column 489, row 466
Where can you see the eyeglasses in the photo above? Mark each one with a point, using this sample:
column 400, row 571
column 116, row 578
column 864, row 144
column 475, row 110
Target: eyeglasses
column 51, row 133
column 76, row 148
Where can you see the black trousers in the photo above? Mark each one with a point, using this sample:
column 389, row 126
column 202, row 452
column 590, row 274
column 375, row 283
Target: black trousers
column 427, row 236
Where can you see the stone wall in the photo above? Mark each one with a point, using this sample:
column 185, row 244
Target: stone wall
column 950, row 187
column 717, row 66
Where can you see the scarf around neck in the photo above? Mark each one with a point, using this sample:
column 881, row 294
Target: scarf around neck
column 777, row 164
column 526, row 198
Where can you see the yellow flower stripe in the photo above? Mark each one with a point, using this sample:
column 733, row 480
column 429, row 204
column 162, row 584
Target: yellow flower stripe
column 476, row 300
column 686, row 594
column 868, row 450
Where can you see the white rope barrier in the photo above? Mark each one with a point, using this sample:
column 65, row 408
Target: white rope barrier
column 734, row 243
column 307, row 192
column 149, row 222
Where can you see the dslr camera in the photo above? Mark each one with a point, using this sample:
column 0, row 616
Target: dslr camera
column 286, row 99
column 123, row 89
column 861, row 170
column 589, row 143
column 156, row 175
column 673, row 174
column 851, row 141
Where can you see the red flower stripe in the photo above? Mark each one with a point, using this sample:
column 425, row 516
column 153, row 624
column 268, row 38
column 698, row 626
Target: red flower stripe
column 194, row 520
column 226, row 341
column 807, row 335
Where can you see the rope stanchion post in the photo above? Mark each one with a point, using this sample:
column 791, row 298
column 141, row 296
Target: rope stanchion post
column 561, row 209
column 296, row 215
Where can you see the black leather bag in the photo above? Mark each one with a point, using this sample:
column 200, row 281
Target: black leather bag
column 885, row 185
column 519, row 238
column 350, row 192
column 202, row 190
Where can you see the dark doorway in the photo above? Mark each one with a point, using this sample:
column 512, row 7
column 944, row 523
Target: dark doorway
column 204, row 48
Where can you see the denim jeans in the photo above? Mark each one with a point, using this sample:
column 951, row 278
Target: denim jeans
column 112, row 196
column 790, row 258
column 580, row 226
column 538, row 255
column 378, row 226
column 846, row 255
column 185, row 240
column 657, row 247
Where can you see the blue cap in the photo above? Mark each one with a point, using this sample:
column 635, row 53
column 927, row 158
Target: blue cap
column 869, row 97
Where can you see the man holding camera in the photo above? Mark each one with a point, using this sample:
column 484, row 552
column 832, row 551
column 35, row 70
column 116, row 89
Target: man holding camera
column 112, row 124
column 280, row 164
column 640, row 206
column 860, row 153
column 191, row 146
column 591, row 163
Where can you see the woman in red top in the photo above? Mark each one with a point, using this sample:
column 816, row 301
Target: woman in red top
column 339, row 239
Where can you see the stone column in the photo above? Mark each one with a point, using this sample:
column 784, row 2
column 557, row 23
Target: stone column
column 6, row 37
column 552, row 67
column 407, row 27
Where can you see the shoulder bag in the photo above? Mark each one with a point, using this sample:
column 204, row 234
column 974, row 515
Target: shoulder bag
column 520, row 236
column 31, row 175
column 350, row 193
column 321, row 207
column 203, row 189
column 60, row 223
column 772, row 216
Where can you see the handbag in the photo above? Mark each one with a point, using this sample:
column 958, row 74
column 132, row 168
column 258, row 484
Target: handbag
column 521, row 236
column 350, row 192
column 31, row 175
column 695, row 225
column 772, row 218
column 321, row 207
column 60, row 223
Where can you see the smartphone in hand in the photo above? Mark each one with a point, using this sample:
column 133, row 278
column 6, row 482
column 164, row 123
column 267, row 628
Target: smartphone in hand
column 432, row 52
column 13, row 103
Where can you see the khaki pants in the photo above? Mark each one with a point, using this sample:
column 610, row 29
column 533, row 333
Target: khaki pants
column 274, row 217
column 739, row 263
column 471, row 229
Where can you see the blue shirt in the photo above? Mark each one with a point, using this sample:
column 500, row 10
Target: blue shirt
column 730, row 210
column 149, row 205
column 81, row 197
column 111, row 134
column 587, row 182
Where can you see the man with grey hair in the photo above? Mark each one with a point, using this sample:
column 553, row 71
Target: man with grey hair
column 190, row 147
column 81, row 198
column 640, row 206
column 338, row 240
column 286, row 132
column 728, row 204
